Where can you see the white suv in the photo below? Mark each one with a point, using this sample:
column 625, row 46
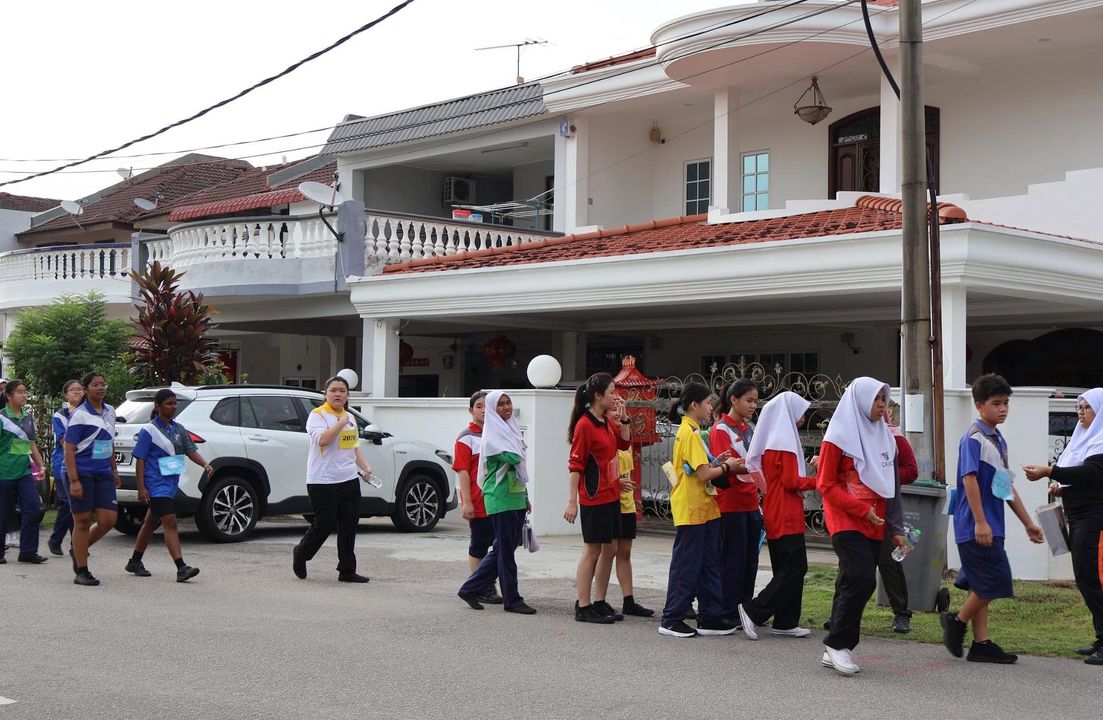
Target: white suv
column 254, row 436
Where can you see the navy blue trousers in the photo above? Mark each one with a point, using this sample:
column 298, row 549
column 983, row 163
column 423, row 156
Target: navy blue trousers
column 739, row 536
column 500, row 563
column 694, row 570
column 23, row 493
column 63, row 523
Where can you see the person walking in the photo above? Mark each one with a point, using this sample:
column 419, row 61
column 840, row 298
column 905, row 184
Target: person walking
column 465, row 461
column 332, row 483
column 17, row 485
column 892, row 572
column 73, row 394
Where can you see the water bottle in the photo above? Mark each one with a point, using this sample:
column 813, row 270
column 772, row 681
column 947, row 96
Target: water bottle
column 911, row 537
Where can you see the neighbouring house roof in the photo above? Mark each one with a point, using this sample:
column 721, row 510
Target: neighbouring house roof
column 168, row 184
column 869, row 214
column 26, row 203
column 474, row 111
column 615, row 60
column 259, row 188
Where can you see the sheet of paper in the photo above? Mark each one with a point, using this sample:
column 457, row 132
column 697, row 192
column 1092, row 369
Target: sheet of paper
column 913, row 413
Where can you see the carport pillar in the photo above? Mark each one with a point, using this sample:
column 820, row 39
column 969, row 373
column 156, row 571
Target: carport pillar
column 569, row 347
column 572, row 169
column 890, row 147
column 726, row 175
column 379, row 370
column 954, row 341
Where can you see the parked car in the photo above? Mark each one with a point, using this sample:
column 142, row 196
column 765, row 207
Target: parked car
column 255, row 439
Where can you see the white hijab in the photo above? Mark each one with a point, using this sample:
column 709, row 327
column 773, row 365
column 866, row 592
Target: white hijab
column 777, row 429
column 869, row 443
column 1086, row 441
column 500, row 436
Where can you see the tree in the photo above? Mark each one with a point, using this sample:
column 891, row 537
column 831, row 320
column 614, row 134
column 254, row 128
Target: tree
column 171, row 343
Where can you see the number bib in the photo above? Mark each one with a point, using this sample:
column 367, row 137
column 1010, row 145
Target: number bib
column 348, row 439
column 171, row 465
column 102, row 449
column 1002, row 484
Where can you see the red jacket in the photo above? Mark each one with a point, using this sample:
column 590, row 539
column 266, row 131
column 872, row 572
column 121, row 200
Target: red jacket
column 783, row 504
column 845, row 499
column 739, row 496
column 906, row 466
column 594, row 457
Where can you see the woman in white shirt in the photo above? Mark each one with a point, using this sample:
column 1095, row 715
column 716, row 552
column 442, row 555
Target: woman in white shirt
column 332, row 483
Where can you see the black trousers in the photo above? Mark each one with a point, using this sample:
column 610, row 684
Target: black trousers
column 892, row 577
column 336, row 507
column 1086, row 545
column 781, row 599
column 854, row 586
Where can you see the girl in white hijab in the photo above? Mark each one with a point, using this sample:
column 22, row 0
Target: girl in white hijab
column 1078, row 480
column 856, row 475
column 776, row 451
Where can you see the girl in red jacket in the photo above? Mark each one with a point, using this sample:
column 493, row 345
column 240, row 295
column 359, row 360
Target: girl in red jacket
column 776, row 451
column 857, row 474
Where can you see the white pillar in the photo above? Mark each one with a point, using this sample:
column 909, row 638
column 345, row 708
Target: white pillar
column 954, row 322
column 379, row 369
column 569, row 347
column 891, row 148
column 727, row 175
column 572, row 186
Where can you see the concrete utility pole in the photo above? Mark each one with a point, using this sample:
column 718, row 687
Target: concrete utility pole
column 916, row 290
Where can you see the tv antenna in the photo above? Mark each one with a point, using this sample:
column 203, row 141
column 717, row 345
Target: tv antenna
column 517, row 46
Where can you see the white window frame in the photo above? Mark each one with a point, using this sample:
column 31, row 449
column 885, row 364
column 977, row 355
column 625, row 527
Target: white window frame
column 743, row 179
column 686, row 181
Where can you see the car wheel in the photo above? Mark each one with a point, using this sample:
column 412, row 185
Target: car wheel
column 418, row 504
column 128, row 519
column 229, row 511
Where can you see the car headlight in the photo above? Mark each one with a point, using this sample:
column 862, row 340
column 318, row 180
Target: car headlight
column 444, row 456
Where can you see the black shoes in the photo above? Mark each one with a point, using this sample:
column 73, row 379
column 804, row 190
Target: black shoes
column 678, row 630
column 55, row 549
column 352, row 577
column 603, row 607
column 901, row 624
column 137, row 567
column 718, row 627
column 953, row 634
column 633, row 608
column 185, row 573
column 491, row 597
column 1092, row 649
column 85, row 578
column 3, row 560
column 521, row 609
column 1096, row 658
column 591, row 614
column 471, row 600
column 990, row 652
column 298, row 566
column 32, row 558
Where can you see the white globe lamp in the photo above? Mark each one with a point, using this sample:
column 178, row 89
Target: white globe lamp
column 349, row 376
column 544, row 372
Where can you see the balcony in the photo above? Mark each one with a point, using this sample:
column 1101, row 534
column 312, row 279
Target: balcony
column 37, row 276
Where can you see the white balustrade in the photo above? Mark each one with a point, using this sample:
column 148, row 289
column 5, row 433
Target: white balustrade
column 73, row 263
column 398, row 237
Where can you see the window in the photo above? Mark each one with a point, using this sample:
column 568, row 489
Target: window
column 698, row 186
column 275, row 412
column 227, row 412
column 309, row 383
column 140, row 411
column 756, row 181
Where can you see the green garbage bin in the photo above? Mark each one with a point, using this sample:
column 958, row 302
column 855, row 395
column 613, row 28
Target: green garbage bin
column 925, row 509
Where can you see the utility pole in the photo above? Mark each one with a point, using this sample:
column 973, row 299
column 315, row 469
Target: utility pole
column 916, row 289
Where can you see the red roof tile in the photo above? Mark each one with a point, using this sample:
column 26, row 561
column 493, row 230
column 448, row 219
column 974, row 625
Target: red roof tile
column 870, row 214
column 26, row 203
column 236, row 205
column 615, row 60
column 250, row 191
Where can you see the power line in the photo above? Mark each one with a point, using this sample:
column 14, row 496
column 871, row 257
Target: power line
column 286, row 71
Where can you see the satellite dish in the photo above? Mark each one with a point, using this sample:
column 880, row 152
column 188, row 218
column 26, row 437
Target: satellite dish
column 71, row 207
column 144, row 204
column 321, row 194
column 125, row 173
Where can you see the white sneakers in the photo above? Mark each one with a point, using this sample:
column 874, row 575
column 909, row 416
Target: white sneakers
column 841, row 660
column 797, row 632
column 748, row 624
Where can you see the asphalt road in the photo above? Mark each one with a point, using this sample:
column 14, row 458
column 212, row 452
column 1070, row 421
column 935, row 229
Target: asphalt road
column 246, row 639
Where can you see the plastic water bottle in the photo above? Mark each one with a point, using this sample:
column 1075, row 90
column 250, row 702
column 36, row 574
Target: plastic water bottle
column 911, row 538
column 373, row 480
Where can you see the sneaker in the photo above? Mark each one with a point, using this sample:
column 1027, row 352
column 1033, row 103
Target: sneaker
column 1090, row 649
column 678, row 630
column 137, row 567
column 603, row 607
column 471, row 600
column 522, row 609
column 953, row 634
column 826, row 660
column 491, row 597
column 797, row 632
column 691, row 614
column 748, row 624
column 590, row 614
column 85, row 578
column 990, row 652
column 351, row 577
column 55, row 549
column 902, row 624
column 32, row 558
column 634, row 609
column 1096, row 658
column 298, row 566
column 186, row 573
column 841, row 660
column 718, row 627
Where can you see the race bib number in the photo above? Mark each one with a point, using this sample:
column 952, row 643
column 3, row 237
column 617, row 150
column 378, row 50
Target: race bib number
column 348, row 439
column 20, row 447
column 1002, row 485
column 102, row 449
column 171, row 465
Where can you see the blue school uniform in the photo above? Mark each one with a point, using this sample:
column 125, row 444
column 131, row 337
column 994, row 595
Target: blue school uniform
column 63, row 521
column 163, row 449
column 984, row 570
column 94, row 434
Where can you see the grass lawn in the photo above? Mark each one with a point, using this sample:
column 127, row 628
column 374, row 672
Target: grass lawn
column 1044, row 618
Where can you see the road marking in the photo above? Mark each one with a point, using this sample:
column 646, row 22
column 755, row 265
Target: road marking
column 6, row 701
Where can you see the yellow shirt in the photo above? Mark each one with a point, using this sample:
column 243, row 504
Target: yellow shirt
column 689, row 502
column 627, row 497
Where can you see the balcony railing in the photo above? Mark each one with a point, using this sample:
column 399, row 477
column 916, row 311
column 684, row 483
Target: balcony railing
column 397, row 237
column 36, row 276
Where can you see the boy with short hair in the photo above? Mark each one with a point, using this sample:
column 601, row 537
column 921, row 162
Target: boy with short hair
column 983, row 486
column 466, row 465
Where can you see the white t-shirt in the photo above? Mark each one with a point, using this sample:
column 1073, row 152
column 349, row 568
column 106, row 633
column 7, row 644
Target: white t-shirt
column 336, row 462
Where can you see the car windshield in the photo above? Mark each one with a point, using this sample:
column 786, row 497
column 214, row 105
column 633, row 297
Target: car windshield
column 140, row 410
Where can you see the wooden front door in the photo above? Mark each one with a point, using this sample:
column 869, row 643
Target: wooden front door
column 855, row 151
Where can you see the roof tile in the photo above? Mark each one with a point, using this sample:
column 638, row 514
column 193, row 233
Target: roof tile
column 26, row 203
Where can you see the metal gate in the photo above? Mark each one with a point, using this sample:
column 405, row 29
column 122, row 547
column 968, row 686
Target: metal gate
column 656, row 440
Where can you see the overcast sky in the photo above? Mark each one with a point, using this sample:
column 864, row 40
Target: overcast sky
column 79, row 77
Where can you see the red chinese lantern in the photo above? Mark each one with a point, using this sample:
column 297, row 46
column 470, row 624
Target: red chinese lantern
column 405, row 352
column 498, row 350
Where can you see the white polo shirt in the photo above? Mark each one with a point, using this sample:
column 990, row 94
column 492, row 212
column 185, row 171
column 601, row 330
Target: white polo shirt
column 336, row 462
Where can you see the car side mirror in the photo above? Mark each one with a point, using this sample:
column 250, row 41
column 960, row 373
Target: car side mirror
column 373, row 436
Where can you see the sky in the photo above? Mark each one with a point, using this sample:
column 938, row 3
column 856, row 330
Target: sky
column 79, row 77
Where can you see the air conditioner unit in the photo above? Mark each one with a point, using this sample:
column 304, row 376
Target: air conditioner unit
column 459, row 190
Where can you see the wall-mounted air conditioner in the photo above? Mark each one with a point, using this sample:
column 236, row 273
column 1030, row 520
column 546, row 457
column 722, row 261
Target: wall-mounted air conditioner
column 459, row 190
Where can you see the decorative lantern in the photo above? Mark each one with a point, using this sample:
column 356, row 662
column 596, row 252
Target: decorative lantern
column 634, row 385
column 499, row 350
column 817, row 109
column 405, row 352
column 544, row 372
